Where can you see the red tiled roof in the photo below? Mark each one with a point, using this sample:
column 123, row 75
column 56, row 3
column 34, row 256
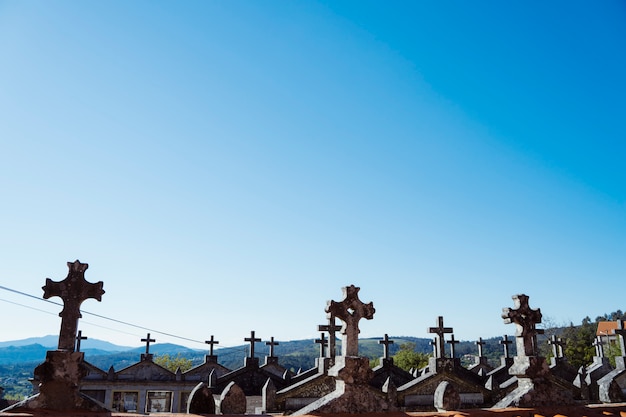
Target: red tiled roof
column 606, row 328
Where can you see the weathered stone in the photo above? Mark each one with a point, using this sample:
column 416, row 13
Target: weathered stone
column 350, row 310
column 525, row 319
column 268, row 394
column 331, row 328
column 440, row 331
column 446, row 397
column 201, row 400
column 73, row 290
column 233, row 400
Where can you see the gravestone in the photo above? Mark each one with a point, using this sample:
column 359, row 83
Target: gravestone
column 233, row 400
column 598, row 369
column 352, row 373
column 386, row 342
column 79, row 338
column 201, row 400
column 331, row 328
column 440, row 331
column 481, row 365
column 147, row 356
column 59, row 376
column 610, row 385
column 268, row 396
column 271, row 358
column 211, row 357
column 323, row 343
column 535, row 384
column 350, row 310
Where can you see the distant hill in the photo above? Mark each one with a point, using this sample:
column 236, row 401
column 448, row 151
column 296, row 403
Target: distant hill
column 19, row 358
column 52, row 341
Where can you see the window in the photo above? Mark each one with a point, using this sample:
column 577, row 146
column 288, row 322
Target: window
column 125, row 401
column 159, row 402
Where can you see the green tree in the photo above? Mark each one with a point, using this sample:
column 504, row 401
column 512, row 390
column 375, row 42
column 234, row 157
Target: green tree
column 579, row 349
column 173, row 363
column 407, row 358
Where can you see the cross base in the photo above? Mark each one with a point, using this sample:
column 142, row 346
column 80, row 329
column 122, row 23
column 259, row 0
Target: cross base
column 352, row 370
column 536, row 393
column 529, row 367
column 59, row 376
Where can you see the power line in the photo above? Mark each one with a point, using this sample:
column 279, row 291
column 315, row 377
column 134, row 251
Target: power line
column 95, row 315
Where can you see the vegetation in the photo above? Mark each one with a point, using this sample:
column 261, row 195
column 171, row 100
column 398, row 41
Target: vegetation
column 17, row 364
column 407, row 358
column 579, row 349
column 173, row 363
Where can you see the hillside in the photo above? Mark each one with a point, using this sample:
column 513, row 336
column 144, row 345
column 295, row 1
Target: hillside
column 18, row 360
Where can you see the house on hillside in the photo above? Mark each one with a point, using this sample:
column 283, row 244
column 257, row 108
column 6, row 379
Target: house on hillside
column 606, row 331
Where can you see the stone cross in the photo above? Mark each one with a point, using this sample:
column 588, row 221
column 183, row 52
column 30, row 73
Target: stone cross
column 557, row 346
column 350, row 311
column 440, row 331
column 386, row 342
column 271, row 344
column 480, row 345
column 147, row 355
column 525, row 319
column 78, row 339
column 323, row 343
column 252, row 340
column 620, row 332
column 433, row 343
column 506, row 342
column 452, row 342
column 211, row 343
column 597, row 343
column 331, row 328
column 73, row 290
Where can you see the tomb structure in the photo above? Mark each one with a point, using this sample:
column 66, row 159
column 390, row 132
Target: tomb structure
column 353, row 392
column 59, row 376
column 536, row 386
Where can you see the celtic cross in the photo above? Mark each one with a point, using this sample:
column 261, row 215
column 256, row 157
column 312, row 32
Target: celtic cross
column 73, row 290
column 350, row 311
column 525, row 319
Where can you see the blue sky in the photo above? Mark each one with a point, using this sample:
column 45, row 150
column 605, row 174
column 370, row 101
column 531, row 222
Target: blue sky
column 229, row 166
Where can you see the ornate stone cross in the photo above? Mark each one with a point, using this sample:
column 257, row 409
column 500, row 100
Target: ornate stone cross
column 73, row 290
column 252, row 340
column 525, row 319
column 386, row 342
column 440, row 331
column 331, row 328
column 271, row 344
column 211, row 343
column 350, row 311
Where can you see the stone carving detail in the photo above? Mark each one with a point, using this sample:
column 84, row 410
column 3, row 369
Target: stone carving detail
column 73, row 290
column 350, row 311
column 525, row 319
column 446, row 397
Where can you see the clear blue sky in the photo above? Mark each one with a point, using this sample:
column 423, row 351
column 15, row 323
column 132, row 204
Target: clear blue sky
column 229, row 166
